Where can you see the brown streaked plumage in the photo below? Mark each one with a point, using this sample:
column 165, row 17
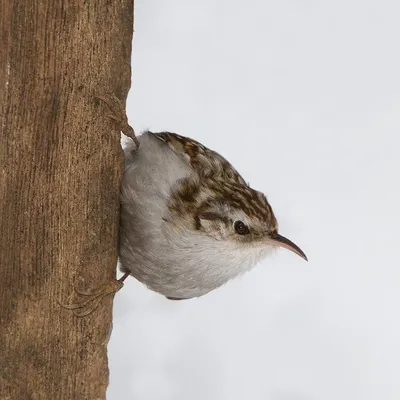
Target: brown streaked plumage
column 216, row 178
column 208, row 163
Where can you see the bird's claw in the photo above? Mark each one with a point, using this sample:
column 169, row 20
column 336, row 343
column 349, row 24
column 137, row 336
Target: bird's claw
column 93, row 297
column 118, row 114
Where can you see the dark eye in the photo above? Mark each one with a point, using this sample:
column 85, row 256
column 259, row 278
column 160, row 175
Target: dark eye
column 241, row 228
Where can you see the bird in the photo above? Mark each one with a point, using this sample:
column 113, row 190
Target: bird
column 189, row 222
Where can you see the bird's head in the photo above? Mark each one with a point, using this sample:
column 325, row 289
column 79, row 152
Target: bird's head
column 240, row 214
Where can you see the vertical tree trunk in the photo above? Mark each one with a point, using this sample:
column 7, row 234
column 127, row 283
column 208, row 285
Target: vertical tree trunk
column 60, row 169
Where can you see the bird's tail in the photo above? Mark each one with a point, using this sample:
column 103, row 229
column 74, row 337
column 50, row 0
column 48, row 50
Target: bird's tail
column 129, row 148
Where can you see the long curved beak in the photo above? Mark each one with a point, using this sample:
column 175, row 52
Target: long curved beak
column 281, row 241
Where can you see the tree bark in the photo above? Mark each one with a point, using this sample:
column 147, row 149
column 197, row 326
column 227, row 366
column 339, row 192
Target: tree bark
column 60, row 170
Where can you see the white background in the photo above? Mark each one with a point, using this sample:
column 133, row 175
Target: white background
column 303, row 97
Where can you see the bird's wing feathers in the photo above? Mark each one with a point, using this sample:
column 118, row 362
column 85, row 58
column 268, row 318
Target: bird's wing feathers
column 206, row 162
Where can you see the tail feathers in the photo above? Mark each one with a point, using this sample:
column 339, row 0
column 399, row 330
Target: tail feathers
column 129, row 148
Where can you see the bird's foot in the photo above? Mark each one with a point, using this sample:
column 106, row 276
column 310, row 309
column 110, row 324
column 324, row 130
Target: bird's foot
column 118, row 114
column 93, row 297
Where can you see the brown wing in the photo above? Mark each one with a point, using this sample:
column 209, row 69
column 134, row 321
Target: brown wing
column 206, row 162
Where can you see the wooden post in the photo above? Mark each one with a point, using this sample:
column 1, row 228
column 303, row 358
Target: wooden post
column 60, row 170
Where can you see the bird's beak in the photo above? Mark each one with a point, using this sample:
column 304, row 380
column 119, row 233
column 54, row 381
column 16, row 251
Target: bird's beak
column 281, row 241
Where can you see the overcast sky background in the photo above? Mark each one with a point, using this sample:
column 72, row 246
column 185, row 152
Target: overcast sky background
column 303, row 97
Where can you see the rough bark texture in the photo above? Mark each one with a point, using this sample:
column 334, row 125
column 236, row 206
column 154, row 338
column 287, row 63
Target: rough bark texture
column 60, row 169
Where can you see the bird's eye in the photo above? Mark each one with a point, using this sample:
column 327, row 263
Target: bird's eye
column 241, row 228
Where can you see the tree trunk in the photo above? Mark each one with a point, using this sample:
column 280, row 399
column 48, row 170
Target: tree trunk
column 60, row 170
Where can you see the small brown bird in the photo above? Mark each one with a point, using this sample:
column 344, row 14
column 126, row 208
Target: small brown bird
column 189, row 221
